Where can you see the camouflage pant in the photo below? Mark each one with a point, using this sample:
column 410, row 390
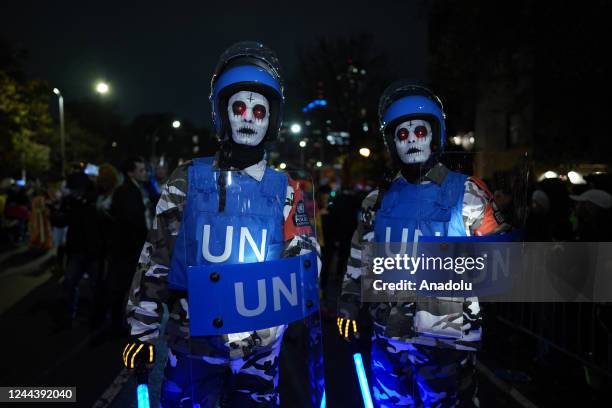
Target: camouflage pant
column 413, row 375
column 250, row 381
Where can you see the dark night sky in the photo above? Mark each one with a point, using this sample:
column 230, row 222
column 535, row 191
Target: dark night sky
column 159, row 58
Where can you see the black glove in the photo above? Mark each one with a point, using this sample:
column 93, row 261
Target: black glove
column 136, row 354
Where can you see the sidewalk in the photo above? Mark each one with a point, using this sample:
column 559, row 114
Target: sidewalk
column 38, row 352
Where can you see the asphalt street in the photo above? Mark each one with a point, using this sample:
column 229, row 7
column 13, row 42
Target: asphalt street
column 41, row 350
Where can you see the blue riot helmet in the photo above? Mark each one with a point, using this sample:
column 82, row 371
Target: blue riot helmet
column 405, row 100
column 247, row 65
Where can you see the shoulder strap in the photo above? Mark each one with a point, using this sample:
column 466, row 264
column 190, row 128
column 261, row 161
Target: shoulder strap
column 274, row 183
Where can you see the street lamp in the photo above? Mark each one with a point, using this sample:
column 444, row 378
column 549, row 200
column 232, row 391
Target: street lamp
column 154, row 138
column 295, row 128
column 302, row 145
column 60, row 99
column 365, row 152
column 102, row 88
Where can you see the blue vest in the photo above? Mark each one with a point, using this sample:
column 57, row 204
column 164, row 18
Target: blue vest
column 411, row 210
column 249, row 229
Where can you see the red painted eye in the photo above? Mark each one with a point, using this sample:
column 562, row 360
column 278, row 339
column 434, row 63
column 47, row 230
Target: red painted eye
column 420, row 131
column 402, row 134
column 238, row 107
column 259, row 111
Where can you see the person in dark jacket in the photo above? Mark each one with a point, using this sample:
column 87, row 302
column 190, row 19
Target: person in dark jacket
column 129, row 233
column 82, row 238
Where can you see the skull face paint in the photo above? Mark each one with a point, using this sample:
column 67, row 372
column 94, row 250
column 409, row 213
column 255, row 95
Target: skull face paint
column 249, row 116
column 413, row 141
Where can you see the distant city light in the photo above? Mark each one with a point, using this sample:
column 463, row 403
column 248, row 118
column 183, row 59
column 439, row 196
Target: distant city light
column 102, row 88
column 302, row 143
column 550, row 174
column 114, row 144
column 576, row 178
column 295, row 128
column 283, row 166
column 457, row 140
column 365, row 127
column 176, row 124
column 314, row 104
column 365, row 152
column 319, row 164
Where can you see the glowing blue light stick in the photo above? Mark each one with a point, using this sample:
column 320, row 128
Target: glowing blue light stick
column 363, row 381
column 323, row 402
column 142, row 393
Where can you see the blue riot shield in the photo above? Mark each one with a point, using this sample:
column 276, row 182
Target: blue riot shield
column 249, row 266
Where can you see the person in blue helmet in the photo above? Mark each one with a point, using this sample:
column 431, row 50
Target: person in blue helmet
column 423, row 352
column 227, row 209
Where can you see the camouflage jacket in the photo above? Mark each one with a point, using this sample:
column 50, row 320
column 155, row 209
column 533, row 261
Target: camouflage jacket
column 480, row 217
column 149, row 290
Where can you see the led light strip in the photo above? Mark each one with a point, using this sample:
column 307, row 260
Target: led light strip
column 142, row 394
column 363, row 381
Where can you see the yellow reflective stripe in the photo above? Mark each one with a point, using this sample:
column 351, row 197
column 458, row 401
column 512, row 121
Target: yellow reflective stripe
column 136, row 353
column 150, row 353
column 346, row 328
column 127, row 354
column 354, row 326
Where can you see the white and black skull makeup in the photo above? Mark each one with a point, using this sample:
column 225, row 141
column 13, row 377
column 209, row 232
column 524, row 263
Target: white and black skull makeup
column 249, row 116
column 413, row 141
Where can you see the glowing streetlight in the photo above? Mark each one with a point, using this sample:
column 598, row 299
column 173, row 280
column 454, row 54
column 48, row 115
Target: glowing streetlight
column 319, row 164
column 283, row 166
column 365, row 152
column 302, row 143
column 102, row 88
column 295, row 128
column 550, row 174
column 575, row 178
column 176, row 124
